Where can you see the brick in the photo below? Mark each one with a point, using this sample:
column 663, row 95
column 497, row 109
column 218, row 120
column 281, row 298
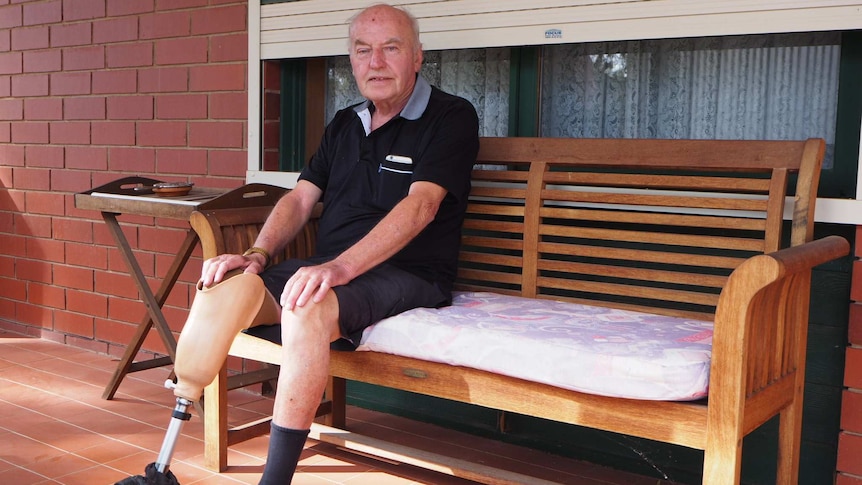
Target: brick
column 11, row 63
column 83, row 58
column 12, row 155
column 853, row 368
column 43, row 156
column 113, row 133
column 221, row 134
column 11, row 109
column 74, row 277
column 851, row 411
column 13, row 245
column 74, row 323
column 231, row 106
column 227, row 163
column 83, row 9
column 181, row 106
column 34, row 315
column 43, row 109
column 33, row 225
column 86, row 255
column 227, row 77
column 46, row 295
column 162, row 133
column 30, row 38
column 5, row 40
column 30, row 132
column 115, row 30
column 84, row 108
column 5, row 132
column 116, row 8
column 11, row 16
column 219, row 20
column 30, row 85
column 855, row 331
column 115, row 284
column 163, row 80
column 162, row 25
column 177, row 4
column 70, row 83
column 856, row 282
column 133, row 160
column 31, row 270
column 87, row 158
column 70, row 133
column 78, row 230
column 42, row 61
column 130, row 107
column 65, row 35
column 130, row 311
column 43, row 13
column 32, row 179
column 115, row 82
column 188, row 162
column 44, row 203
column 85, row 302
column 226, row 48
column 130, row 55
column 849, row 451
column 160, row 240
column 182, row 51
column 70, row 181
column 5, row 86
column 46, row 250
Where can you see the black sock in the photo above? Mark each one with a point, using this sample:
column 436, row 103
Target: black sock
column 285, row 446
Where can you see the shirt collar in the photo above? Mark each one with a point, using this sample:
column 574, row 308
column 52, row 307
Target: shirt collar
column 413, row 110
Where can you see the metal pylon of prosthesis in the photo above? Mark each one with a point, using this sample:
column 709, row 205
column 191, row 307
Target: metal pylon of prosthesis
column 178, row 418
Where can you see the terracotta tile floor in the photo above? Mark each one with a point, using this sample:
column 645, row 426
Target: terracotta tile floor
column 56, row 428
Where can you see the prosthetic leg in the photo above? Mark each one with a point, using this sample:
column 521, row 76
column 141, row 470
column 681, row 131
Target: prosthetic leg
column 217, row 315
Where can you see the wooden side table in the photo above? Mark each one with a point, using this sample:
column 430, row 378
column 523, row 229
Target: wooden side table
column 131, row 195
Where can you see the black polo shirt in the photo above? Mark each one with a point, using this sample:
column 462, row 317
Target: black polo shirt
column 364, row 175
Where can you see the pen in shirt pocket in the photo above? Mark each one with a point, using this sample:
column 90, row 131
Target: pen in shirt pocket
column 406, row 162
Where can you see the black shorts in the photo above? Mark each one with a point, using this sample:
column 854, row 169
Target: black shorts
column 383, row 291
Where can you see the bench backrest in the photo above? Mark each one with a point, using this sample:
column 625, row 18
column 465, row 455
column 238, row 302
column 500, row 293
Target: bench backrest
column 641, row 224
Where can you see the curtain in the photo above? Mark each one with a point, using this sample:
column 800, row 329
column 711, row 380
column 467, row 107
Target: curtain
column 781, row 86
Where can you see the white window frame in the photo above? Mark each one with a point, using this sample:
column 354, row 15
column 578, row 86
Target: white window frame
column 315, row 28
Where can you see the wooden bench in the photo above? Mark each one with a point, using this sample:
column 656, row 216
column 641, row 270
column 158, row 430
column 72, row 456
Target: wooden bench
column 688, row 228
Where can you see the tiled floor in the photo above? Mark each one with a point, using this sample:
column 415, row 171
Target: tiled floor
column 56, row 428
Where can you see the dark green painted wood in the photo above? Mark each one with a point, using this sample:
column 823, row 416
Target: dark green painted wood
column 840, row 181
column 524, row 91
column 291, row 151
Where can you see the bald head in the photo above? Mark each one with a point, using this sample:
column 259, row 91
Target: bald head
column 384, row 13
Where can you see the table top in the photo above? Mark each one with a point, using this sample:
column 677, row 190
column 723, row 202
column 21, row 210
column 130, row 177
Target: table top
column 125, row 196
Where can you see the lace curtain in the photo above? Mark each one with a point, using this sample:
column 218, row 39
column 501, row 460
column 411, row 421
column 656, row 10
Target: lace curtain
column 479, row 75
column 782, row 86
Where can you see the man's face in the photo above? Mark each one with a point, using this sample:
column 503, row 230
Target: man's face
column 384, row 58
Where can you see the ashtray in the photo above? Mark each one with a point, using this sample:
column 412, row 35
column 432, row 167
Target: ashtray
column 172, row 189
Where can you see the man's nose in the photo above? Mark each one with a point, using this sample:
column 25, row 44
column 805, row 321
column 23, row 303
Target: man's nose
column 378, row 58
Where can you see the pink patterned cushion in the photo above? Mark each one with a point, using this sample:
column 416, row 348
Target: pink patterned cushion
column 590, row 349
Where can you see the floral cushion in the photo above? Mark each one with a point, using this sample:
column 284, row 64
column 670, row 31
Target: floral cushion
column 585, row 348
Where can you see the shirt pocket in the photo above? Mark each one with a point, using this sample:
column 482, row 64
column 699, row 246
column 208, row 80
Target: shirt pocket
column 395, row 174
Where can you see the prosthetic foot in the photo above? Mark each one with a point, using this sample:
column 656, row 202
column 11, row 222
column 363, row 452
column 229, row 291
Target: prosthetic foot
column 217, row 315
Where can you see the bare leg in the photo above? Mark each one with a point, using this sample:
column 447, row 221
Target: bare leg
column 306, row 333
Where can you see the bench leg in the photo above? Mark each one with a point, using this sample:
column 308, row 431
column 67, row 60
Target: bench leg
column 722, row 464
column 215, row 422
column 789, row 442
column 336, row 393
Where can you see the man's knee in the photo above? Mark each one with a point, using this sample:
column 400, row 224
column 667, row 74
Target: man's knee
column 311, row 321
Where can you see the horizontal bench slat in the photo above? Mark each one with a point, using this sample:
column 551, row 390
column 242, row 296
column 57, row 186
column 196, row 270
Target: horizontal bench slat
column 658, row 218
column 648, row 237
column 628, row 272
column 667, row 182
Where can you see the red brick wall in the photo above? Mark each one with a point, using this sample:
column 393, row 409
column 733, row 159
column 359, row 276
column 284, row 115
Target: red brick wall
column 850, row 441
column 95, row 90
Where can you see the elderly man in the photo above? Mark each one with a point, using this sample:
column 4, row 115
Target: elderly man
column 393, row 173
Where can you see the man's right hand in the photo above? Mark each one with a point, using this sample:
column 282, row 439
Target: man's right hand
column 214, row 269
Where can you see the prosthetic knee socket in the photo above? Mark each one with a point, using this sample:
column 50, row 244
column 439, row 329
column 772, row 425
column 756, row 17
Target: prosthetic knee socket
column 217, row 315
